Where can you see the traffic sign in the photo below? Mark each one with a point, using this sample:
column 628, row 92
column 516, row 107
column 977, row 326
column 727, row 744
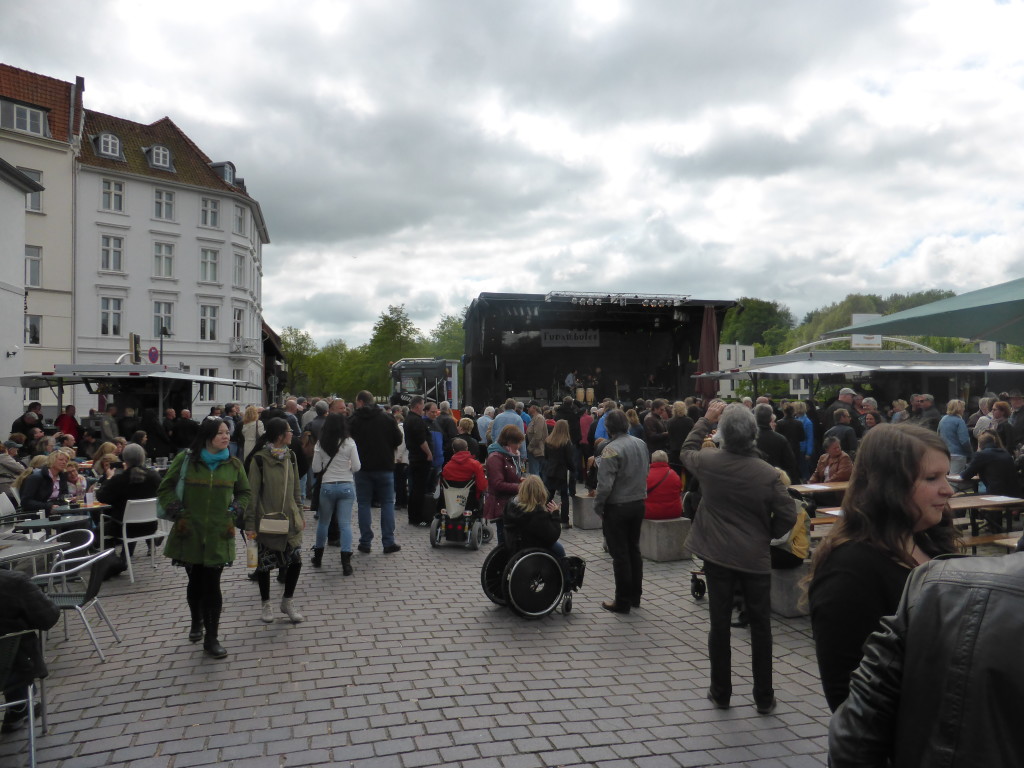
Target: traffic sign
column 154, row 355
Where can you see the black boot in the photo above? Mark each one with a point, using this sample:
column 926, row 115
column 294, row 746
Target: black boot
column 346, row 563
column 318, row 556
column 211, row 645
column 195, row 634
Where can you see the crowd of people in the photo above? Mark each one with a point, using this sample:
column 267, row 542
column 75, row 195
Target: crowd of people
column 257, row 472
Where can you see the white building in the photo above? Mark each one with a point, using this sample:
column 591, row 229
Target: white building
column 14, row 187
column 40, row 126
column 730, row 357
column 167, row 241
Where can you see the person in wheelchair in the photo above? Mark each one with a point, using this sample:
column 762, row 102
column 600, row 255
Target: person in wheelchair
column 463, row 467
column 530, row 520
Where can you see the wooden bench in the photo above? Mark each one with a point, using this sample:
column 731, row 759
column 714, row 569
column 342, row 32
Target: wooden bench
column 989, row 538
column 664, row 541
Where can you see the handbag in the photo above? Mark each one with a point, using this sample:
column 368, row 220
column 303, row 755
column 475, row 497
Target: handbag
column 274, row 526
column 314, row 499
column 163, row 512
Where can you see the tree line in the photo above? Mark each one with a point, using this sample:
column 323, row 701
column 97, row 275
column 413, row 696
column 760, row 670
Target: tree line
column 769, row 326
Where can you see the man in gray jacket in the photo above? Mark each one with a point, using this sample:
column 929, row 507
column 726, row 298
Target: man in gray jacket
column 621, row 490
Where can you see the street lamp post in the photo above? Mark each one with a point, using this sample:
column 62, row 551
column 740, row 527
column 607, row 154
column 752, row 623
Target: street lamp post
column 163, row 332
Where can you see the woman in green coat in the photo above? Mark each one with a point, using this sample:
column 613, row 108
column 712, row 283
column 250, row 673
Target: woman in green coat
column 203, row 537
column 274, row 474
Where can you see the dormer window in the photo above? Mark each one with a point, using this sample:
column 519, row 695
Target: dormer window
column 159, row 156
column 108, row 145
column 21, row 117
column 226, row 171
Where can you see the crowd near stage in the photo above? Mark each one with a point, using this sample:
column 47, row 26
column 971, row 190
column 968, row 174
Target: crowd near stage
column 617, row 345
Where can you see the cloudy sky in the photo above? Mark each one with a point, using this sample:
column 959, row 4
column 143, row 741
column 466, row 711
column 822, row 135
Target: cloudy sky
column 420, row 152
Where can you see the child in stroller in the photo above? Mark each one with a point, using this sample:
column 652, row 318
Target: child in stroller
column 462, row 484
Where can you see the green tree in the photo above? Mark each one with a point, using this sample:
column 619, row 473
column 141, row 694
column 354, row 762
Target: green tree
column 298, row 348
column 448, row 339
column 748, row 322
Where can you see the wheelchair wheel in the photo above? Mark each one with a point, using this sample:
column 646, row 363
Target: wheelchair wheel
column 475, row 536
column 697, row 587
column 534, row 583
column 435, row 532
column 488, row 534
column 567, row 604
column 491, row 575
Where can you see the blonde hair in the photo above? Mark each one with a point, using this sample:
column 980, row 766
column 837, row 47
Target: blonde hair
column 559, row 434
column 955, row 408
column 251, row 414
column 467, row 425
column 35, row 463
column 105, row 448
column 532, row 493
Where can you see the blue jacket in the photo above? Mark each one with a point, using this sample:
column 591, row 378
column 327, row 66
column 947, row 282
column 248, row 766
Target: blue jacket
column 953, row 431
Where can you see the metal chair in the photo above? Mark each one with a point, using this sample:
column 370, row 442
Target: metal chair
column 80, row 601
column 138, row 511
column 10, row 645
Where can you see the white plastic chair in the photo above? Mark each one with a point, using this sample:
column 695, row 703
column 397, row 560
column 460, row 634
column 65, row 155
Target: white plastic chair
column 140, row 511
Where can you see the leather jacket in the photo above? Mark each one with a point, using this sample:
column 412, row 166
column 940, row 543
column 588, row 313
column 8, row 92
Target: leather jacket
column 941, row 680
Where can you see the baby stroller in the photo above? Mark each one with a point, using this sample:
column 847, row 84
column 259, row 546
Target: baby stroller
column 459, row 521
column 532, row 581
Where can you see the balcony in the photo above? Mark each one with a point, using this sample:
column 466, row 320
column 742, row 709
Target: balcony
column 243, row 346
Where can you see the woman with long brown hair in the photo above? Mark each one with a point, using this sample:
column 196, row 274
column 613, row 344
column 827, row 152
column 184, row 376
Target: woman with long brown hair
column 559, row 458
column 895, row 516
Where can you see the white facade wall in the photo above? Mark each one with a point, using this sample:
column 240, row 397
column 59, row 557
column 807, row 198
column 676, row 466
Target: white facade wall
column 236, row 350
column 51, row 230
column 12, row 297
column 732, row 356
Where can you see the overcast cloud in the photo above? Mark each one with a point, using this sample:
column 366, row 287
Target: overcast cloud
column 420, row 152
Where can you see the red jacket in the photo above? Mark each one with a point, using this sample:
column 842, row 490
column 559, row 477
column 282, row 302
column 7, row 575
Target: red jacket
column 463, row 467
column 664, row 489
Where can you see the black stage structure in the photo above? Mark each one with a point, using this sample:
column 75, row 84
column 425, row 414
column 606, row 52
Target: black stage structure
column 623, row 346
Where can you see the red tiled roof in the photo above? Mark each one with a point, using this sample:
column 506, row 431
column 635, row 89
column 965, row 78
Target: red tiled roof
column 47, row 93
column 191, row 165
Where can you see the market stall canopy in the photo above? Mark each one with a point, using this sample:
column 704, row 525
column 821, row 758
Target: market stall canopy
column 995, row 313
column 830, row 362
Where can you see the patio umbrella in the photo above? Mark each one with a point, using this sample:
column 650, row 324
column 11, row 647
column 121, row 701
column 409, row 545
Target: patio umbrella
column 995, row 313
column 707, row 357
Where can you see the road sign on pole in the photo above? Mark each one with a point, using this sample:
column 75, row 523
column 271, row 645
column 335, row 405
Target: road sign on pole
column 154, row 354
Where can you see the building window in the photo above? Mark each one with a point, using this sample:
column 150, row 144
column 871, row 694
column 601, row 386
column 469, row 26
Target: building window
column 111, row 253
column 113, row 195
column 33, row 329
column 209, row 215
column 33, row 266
column 163, row 205
column 29, row 120
column 109, row 145
column 163, row 317
column 208, row 265
column 207, row 322
column 110, row 316
column 163, row 260
column 728, row 355
column 236, row 391
column 207, row 389
column 237, row 321
column 33, row 200
column 239, row 220
column 160, row 156
column 229, row 174
column 239, row 276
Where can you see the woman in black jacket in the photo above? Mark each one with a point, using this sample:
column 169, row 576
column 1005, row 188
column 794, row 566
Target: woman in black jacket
column 559, row 457
column 41, row 490
column 136, row 482
column 530, row 520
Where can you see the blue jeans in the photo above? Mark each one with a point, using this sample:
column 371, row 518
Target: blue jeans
column 336, row 499
column 379, row 484
column 536, row 466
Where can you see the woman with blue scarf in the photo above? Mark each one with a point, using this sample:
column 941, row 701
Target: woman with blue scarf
column 203, row 537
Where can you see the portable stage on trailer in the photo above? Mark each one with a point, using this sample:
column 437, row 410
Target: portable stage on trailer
column 621, row 345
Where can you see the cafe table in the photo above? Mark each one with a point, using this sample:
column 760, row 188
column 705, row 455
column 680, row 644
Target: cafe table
column 64, row 522
column 13, row 550
column 809, row 489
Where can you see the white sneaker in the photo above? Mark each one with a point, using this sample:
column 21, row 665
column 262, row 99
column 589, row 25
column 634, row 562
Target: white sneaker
column 289, row 610
column 267, row 613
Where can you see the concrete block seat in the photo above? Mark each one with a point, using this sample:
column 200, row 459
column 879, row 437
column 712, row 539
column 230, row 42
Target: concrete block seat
column 583, row 514
column 664, row 540
column 787, row 592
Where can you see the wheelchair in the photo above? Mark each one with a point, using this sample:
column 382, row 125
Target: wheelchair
column 459, row 522
column 532, row 582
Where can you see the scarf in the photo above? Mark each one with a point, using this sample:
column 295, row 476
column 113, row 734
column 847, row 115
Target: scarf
column 278, row 453
column 213, row 460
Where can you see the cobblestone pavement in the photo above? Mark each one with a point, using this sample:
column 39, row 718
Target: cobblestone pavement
column 407, row 664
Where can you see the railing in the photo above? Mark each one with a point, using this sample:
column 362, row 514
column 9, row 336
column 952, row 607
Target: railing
column 239, row 344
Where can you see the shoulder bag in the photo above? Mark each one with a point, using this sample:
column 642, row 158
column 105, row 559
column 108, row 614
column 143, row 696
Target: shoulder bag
column 179, row 490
